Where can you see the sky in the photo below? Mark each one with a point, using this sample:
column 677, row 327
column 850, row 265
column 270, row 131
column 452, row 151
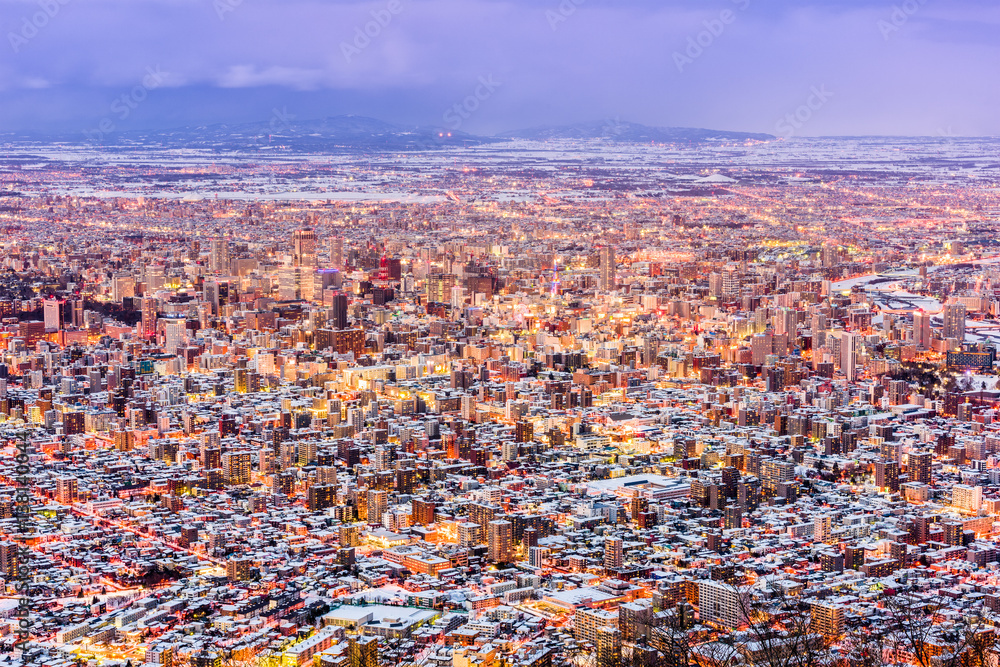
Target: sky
column 784, row 67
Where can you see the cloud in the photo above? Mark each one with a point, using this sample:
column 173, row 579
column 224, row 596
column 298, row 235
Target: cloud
column 602, row 58
column 248, row 76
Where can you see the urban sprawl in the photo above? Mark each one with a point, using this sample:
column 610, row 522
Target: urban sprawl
column 520, row 405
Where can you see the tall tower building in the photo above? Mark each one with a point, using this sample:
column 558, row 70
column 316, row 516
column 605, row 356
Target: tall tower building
column 500, row 538
column 304, row 248
column 53, row 314
column 612, row 553
column 919, row 466
column 149, row 312
column 887, row 476
column 922, row 329
column 174, row 335
column 236, row 467
column 607, row 268
column 849, row 355
column 954, row 321
column 338, row 320
column 220, row 255
column 337, row 252
column 537, row 556
column 122, row 287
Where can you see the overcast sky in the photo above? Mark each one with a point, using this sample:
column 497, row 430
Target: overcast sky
column 919, row 67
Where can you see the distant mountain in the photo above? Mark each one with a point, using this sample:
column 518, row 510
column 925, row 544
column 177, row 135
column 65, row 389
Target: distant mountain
column 331, row 133
column 626, row 132
column 280, row 132
column 344, row 133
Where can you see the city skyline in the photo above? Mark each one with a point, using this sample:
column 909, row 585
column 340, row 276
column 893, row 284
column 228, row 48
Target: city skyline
column 499, row 333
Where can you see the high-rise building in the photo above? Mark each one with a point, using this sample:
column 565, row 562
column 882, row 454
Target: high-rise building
column 337, row 252
column 52, row 311
column 9, row 559
column 733, row 517
column 828, row 619
column 954, row 321
column 786, row 322
column 849, row 355
column 439, row 287
column 919, row 466
column 922, row 329
column 607, row 268
column 76, row 309
column 719, row 603
column 523, row 431
column 288, row 283
column 175, row 335
column 609, row 647
column 66, row 490
column 304, row 248
column 967, row 498
column 236, row 467
column 500, row 539
column 587, row 622
column 338, row 308
column 238, row 569
column 149, row 313
column 378, row 503
column 887, row 476
column 321, row 496
column 760, row 347
column 537, row 556
column 122, row 287
column 219, row 259
column 364, row 651
column 612, row 553
column 423, row 512
column 830, row 256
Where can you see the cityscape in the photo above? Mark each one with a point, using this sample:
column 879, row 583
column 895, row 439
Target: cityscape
column 530, row 403
column 309, row 357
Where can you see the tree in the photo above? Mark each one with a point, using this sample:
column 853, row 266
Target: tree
column 779, row 630
column 673, row 639
column 914, row 629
